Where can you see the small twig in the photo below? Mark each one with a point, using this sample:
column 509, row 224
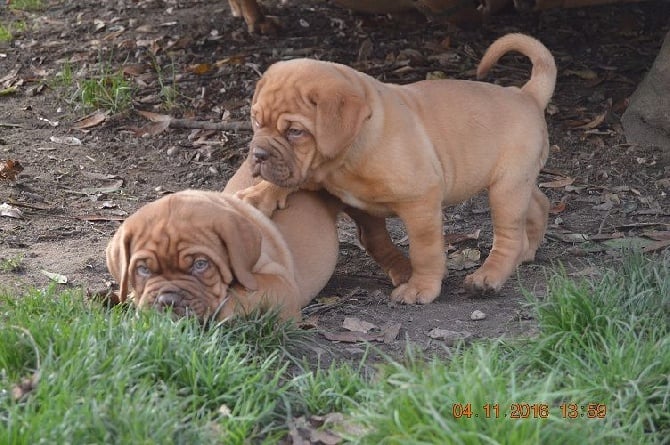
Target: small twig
column 207, row 125
column 10, row 125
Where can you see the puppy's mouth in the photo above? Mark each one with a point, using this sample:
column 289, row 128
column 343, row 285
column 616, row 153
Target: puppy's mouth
column 177, row 303
column 273, row 168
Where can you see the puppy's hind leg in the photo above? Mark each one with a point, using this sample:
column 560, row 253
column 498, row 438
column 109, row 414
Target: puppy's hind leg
column 536, row 223
column 509, row 202
column 375, row 239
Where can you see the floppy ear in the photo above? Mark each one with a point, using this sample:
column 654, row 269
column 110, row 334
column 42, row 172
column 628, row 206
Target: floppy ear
column 243, row 241
column 118, row 259
column 340, row 114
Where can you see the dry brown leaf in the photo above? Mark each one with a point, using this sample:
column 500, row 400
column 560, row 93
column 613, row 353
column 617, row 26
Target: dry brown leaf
column 232, row 60
column 200, row 68
column 154, row 117
column 151, row 129
column 558, row 208
column 463, row 259
column 657, row 245
column 90, row 121
column 595, row 122
column 351, row 337
column 658, row 235
column 390, row 331
column 456, row 238
column 357, row 325
column 558, row 183
column 9, row 169
column 585, row 74
column 134, row 69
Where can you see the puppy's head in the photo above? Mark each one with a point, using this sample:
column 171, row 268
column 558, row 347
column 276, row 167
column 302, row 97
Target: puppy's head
column 304, row 113
column 183, row 252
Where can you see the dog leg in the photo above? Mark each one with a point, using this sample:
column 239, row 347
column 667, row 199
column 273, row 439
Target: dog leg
column 509, row 208
column 266, row 196
column 426, row 251
column 253, row 16
column 374, row 237
column 536, row 223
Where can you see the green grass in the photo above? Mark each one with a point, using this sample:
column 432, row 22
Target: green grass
column 27, row 5
column 113, row 376
column 103, row 88
column 9, row 30
column 108, row 90
column 12, row 264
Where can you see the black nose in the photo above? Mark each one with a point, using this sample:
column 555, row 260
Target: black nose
column 167, row 299
column 260, row 155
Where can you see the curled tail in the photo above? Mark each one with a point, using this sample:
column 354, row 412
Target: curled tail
column 543, row 76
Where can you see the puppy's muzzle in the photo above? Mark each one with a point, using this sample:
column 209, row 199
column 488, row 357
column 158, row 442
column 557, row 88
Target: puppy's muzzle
column 168, row 299
column 260, row 154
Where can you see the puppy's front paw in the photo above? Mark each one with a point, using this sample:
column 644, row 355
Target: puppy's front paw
column 267, row 199
column 481, row 282
column 413, row 293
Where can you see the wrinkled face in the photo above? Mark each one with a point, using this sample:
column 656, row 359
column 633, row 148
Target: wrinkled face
column 305, row 113
column 283, row 148
column 187, row 282
column 182, row 254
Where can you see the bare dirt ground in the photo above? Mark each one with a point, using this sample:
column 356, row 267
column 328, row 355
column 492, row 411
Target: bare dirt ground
column 72, row 197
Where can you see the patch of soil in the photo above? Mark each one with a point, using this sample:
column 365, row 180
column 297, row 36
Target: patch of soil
column 73, row 196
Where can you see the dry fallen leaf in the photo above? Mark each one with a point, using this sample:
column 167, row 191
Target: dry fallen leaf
column 200, row 68
column 10, row 211
column 357, row 325
column 558, row 183
column 90, row 121
column 390, row 331
column 463, row 259
column 9, row 169
column 585, row 74
column 449, row 337
column 55, row 277
column 351, row 337
column 456, row 238
column 65, row 140
column 595, row 122
column 558, row 208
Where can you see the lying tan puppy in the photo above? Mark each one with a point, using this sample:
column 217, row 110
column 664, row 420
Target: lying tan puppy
column 211, row 255
column 407, row 150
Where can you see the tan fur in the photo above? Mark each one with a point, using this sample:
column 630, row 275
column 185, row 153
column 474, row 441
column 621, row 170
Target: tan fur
column 254, row 263
column 407, row 150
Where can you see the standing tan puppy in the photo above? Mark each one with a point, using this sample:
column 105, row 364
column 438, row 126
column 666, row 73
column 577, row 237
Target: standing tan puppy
column 407, row 150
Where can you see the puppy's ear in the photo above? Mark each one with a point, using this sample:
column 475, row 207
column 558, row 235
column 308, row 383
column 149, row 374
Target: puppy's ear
column 243, row 241
column 118, row 259
column 340, row 114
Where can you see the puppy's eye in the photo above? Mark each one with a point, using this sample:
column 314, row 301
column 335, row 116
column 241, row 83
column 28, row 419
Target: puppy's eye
column 200, row 265
column 143, row 271
column 295, row 133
